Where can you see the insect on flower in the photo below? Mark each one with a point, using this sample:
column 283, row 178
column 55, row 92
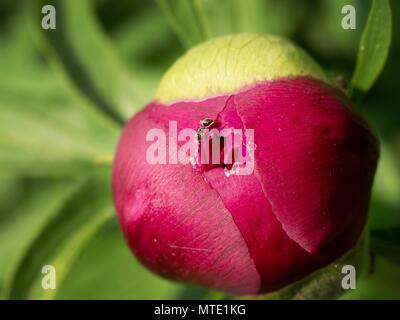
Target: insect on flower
column 205, row 123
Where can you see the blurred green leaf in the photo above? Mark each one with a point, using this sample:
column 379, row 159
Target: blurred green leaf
column 61, row 241
column 324, row 22
column 383, row 283
column 282, row 17
column 155, row 47
column 35, row 202
column 195, row 21
column 148, row 29
column 374, row 47
column 46, row 129
column 187, row 19
column 385, row 204
column 47, row 135
column 11, row 193
column 89, row 59
column 386, row 242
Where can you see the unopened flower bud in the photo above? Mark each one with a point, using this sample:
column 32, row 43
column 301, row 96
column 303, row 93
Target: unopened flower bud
column 302, row 204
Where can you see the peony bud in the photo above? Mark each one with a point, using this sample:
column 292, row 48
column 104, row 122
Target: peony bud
column 295, row 202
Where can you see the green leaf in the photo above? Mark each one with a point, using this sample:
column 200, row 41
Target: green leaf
column 47, row 135
column 276, row 17
column 46, row 129
column 61, row 241
column 155, row 47
column 386, row 242
column 324, row 22
column 87, row 56
column 187, row 19
column 385, row 204
column 25, row 208
column 195, row 21
column 383, row 283
column 150, row 31
column 374, row 47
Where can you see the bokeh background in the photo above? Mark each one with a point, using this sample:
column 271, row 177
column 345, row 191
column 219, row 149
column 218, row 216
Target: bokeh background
column 65, row 94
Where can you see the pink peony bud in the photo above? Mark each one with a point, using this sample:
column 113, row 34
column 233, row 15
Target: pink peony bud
column 295, row 202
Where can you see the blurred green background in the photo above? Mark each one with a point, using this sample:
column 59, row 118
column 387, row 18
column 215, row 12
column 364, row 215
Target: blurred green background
column 65, row 94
